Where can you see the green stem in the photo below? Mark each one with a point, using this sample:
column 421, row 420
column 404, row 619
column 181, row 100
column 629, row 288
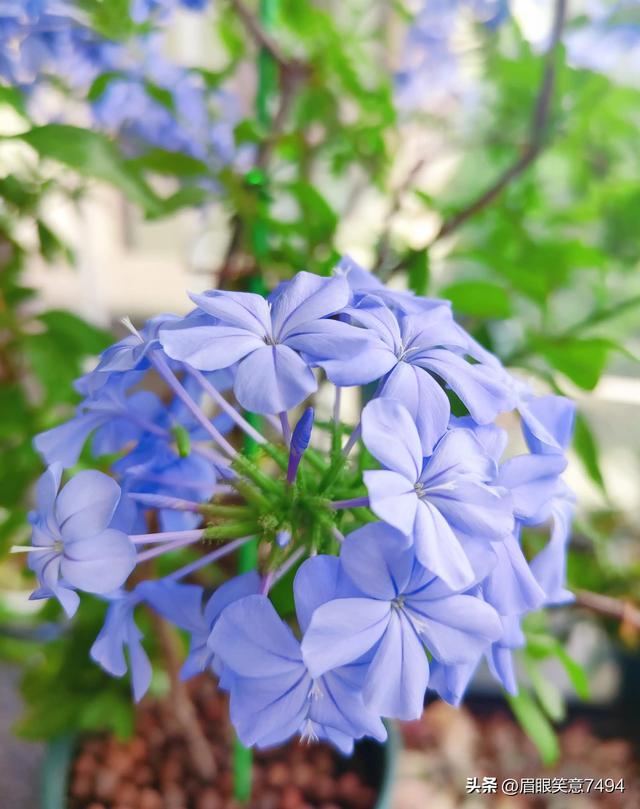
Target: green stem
column 233, row 530
column 267, row 83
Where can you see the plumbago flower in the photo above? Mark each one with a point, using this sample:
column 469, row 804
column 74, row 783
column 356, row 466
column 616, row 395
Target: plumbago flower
column 403, row 534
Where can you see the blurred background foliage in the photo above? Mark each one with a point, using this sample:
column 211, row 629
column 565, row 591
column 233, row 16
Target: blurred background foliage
column 482, row 150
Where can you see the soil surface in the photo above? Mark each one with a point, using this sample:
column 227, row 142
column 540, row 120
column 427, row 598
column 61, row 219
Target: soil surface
column 448, row 746
column 153, row 769
column 442, row 751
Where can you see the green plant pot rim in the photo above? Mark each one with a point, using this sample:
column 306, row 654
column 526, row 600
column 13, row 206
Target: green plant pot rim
column 59, row 753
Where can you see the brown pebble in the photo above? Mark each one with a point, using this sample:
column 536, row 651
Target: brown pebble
column 82, row 786
column 209, row 799
column 143, row 775
column 126, row 792
column 95, row 805
column 174, row 797
column 278, row 774
column 348, row 786
column 150, row 799
column 290, row 798
column 303, row 775
column 171, row 770
column 84, row 764
column 106, row 783
column 323, row 788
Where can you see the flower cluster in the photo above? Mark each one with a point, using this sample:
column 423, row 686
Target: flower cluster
column 133, row 91
column 399, row 534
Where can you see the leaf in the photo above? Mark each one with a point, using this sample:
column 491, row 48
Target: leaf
column 479, row 299
column 575, row 672
column 93, row 155
column 88, row 339
column 548, row 694
column 586, row 449
column 582, row 360
column 536, row 725
column 417, row 266
column 174, row 164
column 14, row 98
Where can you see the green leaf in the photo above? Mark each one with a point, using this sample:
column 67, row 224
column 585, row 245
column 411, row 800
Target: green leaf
column 93, row 155
column 86, row 338
column 548, row 694
column 581, row 360
column 175, row 164
column 575, row 672
column 479, row 299
column 14, row 98
column 417, row 266
column 536, row 725
column 586, row 449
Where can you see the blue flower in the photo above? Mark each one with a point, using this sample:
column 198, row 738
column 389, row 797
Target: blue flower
column 272, row 693
column 401, row 608
column 411, row 352
column 119, row 633
column 74, row 545
column 275, row 343
column 438, row 500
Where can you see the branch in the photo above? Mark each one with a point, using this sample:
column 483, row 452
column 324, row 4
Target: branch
column 537, row 132
column 382, row 253
column 180, row 705
column 617, row 608
column 259, row 35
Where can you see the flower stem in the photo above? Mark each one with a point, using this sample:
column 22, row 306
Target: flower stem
column 208, row 558
column 168, row 546
column 173, row 382
column 167, row 536
column 223, row 404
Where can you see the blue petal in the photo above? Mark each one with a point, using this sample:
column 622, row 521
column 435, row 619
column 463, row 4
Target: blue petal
column 253, row 641
column 209, row 348
column 377, row 560
column 304, row 299
column 532, row 481
column 438, row 548
column 273, row 379
column 392, row 498
column 242, row 310
column 399, row 672
column 455, row 629
column 548, row 423
column 64, row 443
column 451, row 682
column 424, row 398
column 391, row 436
column 318, row 580
column 341, row 631
column 99, row 563
column 86, row 505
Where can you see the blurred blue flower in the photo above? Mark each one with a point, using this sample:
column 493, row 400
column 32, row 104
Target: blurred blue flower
column 74, row 543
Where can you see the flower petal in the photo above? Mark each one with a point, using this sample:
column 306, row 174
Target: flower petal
column 253, row 641
column 391, row 436
column 455, row 629
column 341, row 631
column 438, row 548
column 243, row 310
column 86, row 505
column 210, row 348
column 377, row 560
column 307, row 297
column 392, row 498
column 399, row 672
column 273, row 379
column 99, row 564
column 424, row 398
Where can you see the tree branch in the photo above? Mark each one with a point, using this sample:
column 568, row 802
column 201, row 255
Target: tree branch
column 537, row 132
column 617, row 608
column 259, row 35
